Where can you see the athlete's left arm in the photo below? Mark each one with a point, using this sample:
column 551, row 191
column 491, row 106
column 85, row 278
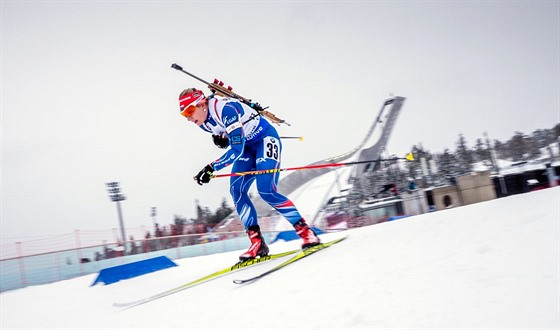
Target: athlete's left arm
column 234, row 129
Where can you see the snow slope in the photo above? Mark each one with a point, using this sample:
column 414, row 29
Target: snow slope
column 488, row 265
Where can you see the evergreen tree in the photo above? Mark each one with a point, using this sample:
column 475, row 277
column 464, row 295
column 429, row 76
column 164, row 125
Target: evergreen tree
column 481, row 151
column 414, row 167
column 199, row 211
column 179, row 220
column 448, row 165
column 203, row 215
column 532, row 146
column 464, row 155
column 489, row 148
column 501, row 149
column 517, row 146
column 222, row 212
column 542, row 138
column 556, row 132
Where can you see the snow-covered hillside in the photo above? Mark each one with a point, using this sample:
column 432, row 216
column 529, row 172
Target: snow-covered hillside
column 488, row 265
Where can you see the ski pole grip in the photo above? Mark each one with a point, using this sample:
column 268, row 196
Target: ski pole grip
column 176, row 67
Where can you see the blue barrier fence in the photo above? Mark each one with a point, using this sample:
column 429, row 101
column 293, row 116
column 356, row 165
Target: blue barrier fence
column 115, row 274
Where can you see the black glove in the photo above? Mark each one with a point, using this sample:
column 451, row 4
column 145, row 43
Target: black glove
column 220, row 142
column 204, row 175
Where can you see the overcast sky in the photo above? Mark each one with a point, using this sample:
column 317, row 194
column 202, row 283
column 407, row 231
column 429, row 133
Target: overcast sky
column 88, row 95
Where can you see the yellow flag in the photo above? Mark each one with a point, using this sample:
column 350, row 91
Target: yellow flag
column 410, row 156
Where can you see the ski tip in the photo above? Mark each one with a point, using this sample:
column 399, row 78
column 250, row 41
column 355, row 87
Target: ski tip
column 246, row 280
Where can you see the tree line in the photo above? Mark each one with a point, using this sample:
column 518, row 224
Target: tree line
column 391, row 178
column 452, row 163
column 204, row 216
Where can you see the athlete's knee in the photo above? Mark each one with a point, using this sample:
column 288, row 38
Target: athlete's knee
column 236, row 191
column 272, row 197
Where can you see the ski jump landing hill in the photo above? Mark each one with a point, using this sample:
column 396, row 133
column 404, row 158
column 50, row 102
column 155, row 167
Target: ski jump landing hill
column 311, row 189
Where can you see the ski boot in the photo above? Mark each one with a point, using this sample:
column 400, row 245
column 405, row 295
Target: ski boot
column 307, row 234
column 258, row 247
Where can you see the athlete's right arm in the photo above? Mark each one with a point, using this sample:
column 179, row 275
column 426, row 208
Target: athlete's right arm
column 234, row 131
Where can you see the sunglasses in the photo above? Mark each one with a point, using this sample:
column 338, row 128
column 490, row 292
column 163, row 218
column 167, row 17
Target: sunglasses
column 188, row 111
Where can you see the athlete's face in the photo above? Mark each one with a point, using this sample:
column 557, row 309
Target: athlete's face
column 199, row 114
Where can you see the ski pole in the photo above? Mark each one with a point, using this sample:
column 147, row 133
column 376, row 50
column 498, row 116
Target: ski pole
column 409, row 157
column 292, row 137
column 218, row 87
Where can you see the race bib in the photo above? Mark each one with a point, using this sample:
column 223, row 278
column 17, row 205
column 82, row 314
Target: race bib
column 271, row 148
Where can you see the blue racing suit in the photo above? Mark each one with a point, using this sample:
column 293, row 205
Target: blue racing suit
column 254, row 144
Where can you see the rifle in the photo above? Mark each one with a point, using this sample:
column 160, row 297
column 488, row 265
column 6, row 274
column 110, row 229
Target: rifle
column 217, row 87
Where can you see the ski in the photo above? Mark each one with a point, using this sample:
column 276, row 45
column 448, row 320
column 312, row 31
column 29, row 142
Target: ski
column 207, row 278
column 295, row 258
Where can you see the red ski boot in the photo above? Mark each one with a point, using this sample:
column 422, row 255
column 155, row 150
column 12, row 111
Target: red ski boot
column 258, row 246
column 307, row 234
